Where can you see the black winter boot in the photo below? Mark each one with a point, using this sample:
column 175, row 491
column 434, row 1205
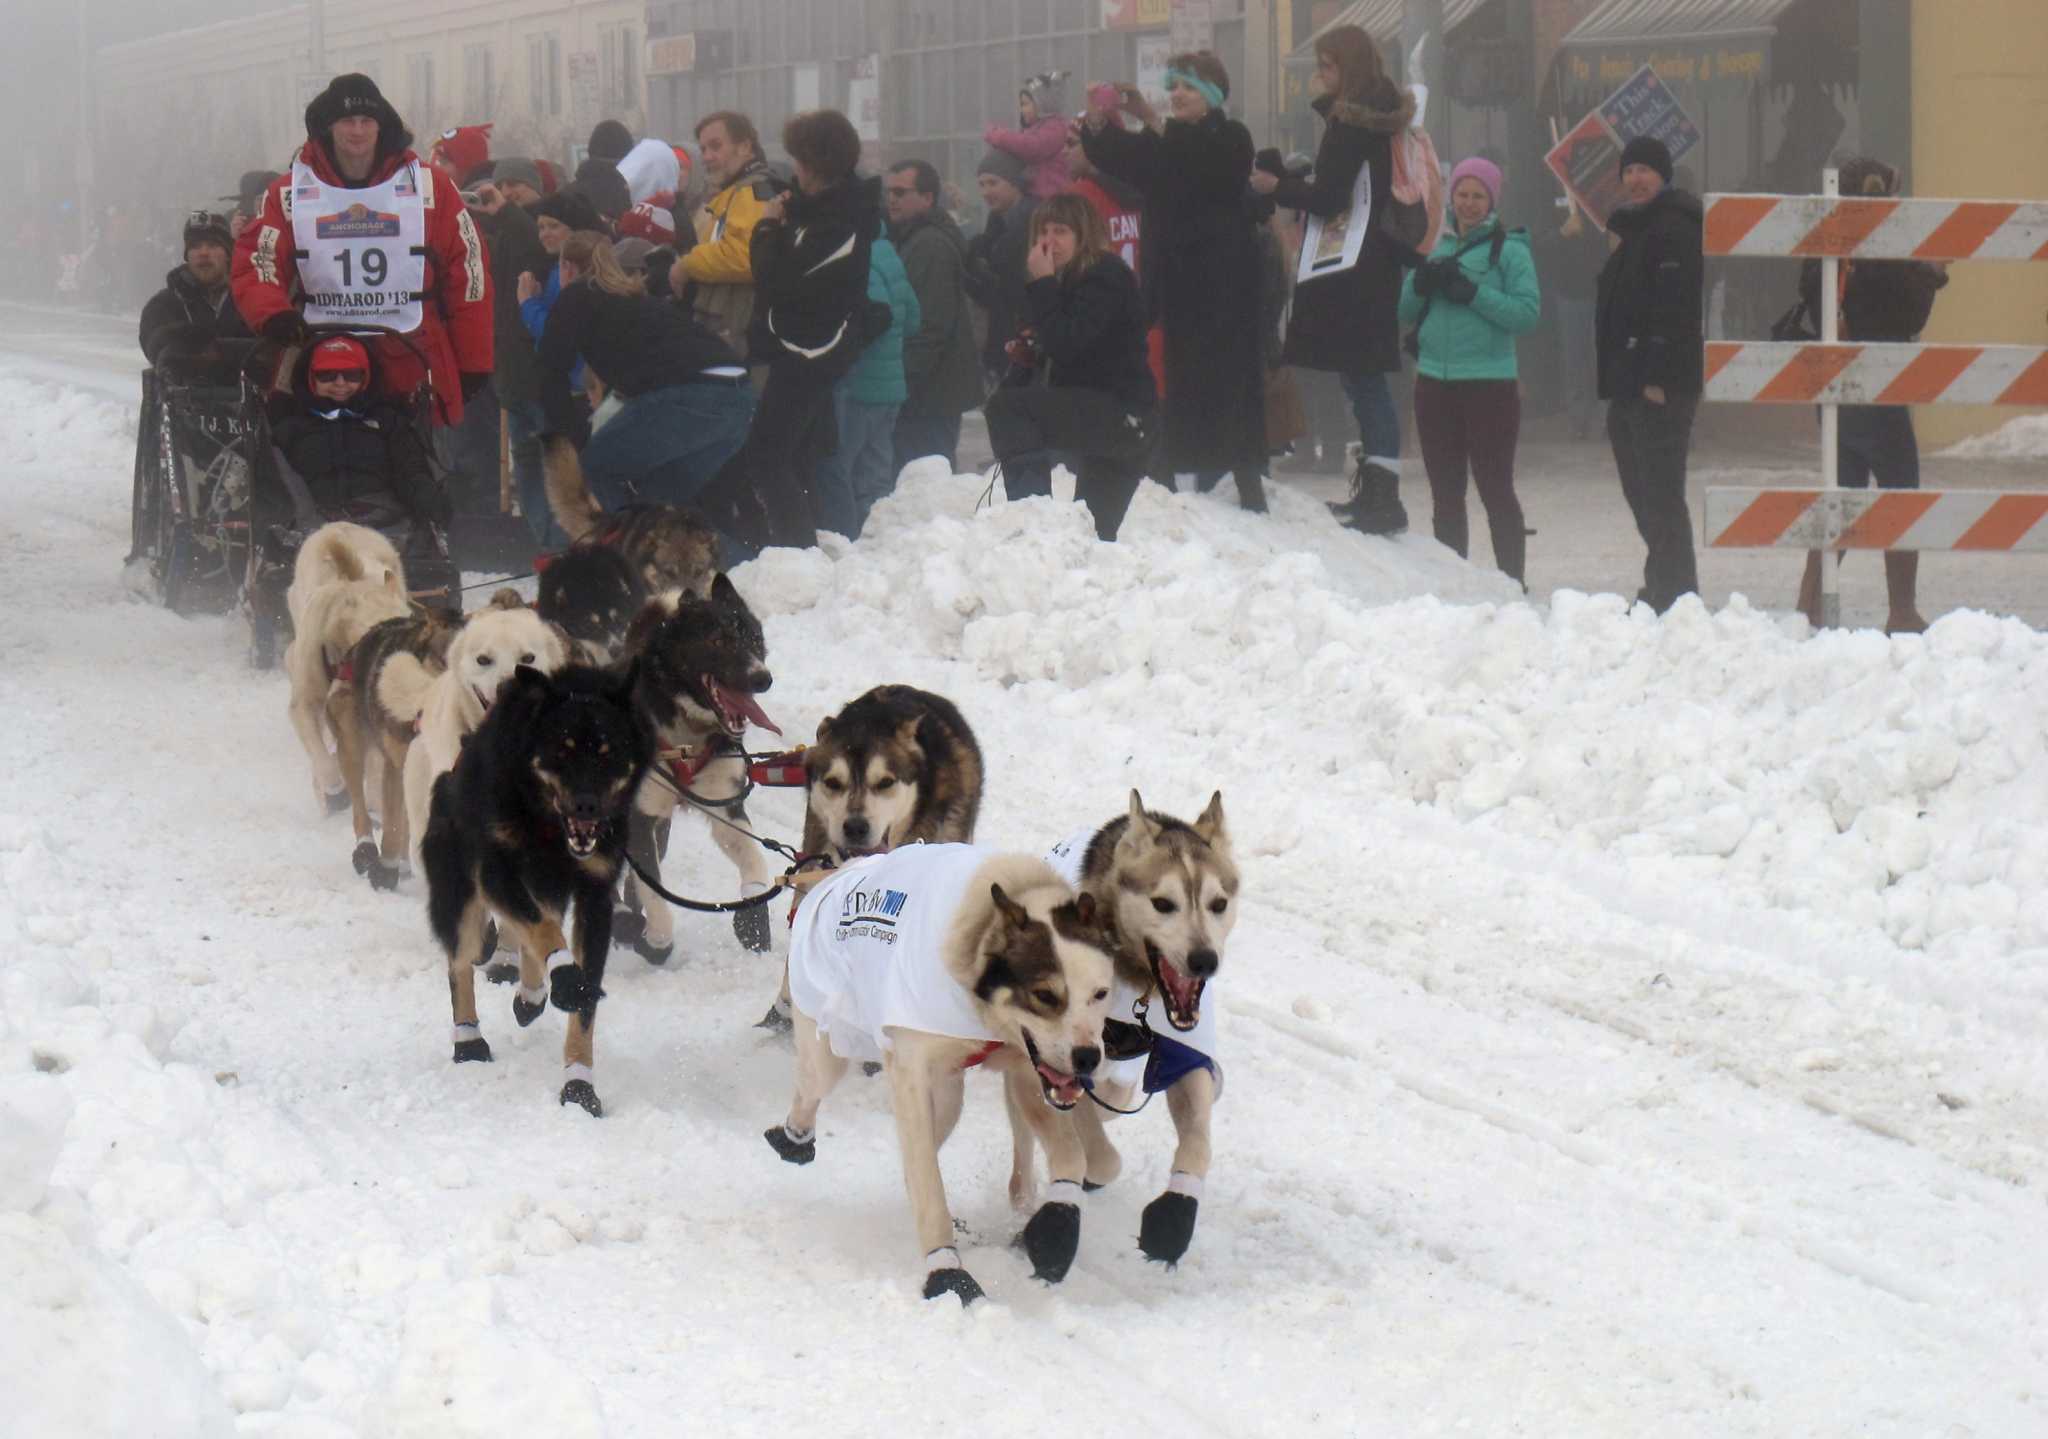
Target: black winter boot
column 1374, row 505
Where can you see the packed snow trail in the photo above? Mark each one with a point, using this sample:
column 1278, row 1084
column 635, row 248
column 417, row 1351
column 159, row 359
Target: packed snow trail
column 1634, row 1025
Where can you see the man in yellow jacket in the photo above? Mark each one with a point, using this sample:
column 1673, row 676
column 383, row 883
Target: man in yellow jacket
column 718, row 270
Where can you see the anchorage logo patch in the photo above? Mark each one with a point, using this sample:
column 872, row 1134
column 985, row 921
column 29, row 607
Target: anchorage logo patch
column 357, row 222
column 873, row 910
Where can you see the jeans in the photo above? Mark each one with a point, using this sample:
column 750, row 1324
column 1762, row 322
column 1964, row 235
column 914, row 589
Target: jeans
column 1472, row 425
column 921, row 435
column 1031, row 429
column 1651, row 443
column 862, row 470
column 523, row 425
column 667, row 444
column 1379, row 423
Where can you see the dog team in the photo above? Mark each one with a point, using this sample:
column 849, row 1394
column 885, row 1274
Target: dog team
column 534, row 760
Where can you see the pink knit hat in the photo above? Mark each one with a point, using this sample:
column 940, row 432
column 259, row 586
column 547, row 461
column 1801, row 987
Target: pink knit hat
column 1484, row 171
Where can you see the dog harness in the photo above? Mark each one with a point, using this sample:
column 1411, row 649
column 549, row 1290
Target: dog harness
column 1171, row 1054
column 867, row 950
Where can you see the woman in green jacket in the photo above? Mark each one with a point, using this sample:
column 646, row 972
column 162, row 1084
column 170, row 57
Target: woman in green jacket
column 1466, row 304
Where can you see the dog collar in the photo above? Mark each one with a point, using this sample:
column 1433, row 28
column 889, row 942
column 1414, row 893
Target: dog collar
column 981, row 1055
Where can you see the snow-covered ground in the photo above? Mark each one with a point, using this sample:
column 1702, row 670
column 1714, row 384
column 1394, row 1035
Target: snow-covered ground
column 1635, row 1026
column 2024, row 437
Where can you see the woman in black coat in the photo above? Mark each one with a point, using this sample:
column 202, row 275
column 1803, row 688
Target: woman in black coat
column 1201, row 267
column 1345, row 322
column 1084, row 318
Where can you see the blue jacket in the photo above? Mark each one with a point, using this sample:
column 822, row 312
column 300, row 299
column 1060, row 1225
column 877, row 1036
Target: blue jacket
column 534, row 313
column 877, row 376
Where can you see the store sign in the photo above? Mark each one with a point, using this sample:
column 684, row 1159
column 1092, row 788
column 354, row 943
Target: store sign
column 1136, row 14
column 1193, row 26
column 672, row 55
column 1723, row 66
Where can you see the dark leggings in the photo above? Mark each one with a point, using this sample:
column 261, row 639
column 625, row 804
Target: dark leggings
column 1473, row 425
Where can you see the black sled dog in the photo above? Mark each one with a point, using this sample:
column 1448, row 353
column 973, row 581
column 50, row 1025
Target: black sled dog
column 531, row 820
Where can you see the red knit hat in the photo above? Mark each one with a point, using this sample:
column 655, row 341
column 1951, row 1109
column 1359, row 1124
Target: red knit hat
column 338, row 352
column 649, row 222
column 462, row 149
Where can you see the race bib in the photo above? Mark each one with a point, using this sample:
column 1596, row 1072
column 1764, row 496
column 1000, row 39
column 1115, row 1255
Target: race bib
column 362, row 255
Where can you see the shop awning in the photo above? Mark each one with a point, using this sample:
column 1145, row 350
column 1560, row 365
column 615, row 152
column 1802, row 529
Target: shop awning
column 1380, row 19
column 1675, row 22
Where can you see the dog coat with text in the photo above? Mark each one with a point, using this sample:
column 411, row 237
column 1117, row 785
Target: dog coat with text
column 1180, row 1053
column 867, row 949
column 362, row 254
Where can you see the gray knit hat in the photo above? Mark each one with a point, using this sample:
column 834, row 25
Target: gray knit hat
column 1003, row 165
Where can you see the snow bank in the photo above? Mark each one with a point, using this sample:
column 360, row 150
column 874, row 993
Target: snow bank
column 2024, row 437
column 1317, row 678
column 56, row 425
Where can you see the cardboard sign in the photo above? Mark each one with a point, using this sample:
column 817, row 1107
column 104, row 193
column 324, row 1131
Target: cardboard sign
column 1646, row 106
column 1587, row 161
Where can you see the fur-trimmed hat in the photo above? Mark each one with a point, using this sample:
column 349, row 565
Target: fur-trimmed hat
column 356, row 94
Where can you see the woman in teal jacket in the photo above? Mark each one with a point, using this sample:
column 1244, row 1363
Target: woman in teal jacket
column 1466, row 304
column 865, row 402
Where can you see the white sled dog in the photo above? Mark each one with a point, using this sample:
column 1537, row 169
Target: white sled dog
column 345, row 579
column 932, row 959
column 449, row 706
column 1167, row 892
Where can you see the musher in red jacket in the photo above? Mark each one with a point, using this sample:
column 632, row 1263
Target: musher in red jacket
column 360, row 231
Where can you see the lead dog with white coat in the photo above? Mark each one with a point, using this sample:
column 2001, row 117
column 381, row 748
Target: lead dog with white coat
column 932, row 959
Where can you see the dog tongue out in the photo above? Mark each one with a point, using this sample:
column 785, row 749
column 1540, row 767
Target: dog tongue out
column 1183, row 993
column 743, row 702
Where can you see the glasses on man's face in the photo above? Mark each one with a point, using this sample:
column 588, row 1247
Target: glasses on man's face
column 345, row 377
column 898, row 192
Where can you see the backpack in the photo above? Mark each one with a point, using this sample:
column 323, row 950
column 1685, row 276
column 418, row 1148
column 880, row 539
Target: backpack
column 1416, row 216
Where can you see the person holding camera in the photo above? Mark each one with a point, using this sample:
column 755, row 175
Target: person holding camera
column 1085, row 326
column 1465, row 305
column 1202, row 267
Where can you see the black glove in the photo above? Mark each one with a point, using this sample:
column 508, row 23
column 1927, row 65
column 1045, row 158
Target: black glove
column 1427, row 278
column 1457, row 286
column 473, row 381
column 287, row 327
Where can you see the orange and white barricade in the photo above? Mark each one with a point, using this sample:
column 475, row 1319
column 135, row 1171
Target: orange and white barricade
column 1830, row 372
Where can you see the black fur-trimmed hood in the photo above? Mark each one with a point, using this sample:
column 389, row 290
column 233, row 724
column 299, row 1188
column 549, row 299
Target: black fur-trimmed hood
column 1390, row 115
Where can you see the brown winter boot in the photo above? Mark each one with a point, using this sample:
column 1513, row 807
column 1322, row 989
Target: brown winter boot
column 1901, row 580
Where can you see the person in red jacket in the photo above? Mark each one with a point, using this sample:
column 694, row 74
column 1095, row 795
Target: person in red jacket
column 360, row 232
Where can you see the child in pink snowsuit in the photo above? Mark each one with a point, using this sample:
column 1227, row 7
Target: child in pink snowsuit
column 1040, row 139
